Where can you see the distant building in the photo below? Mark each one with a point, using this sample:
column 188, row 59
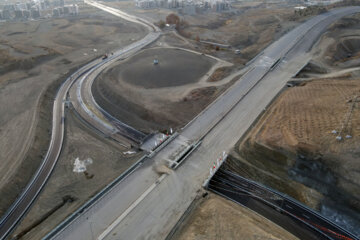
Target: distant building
column 20, row 6
column 189, row 7
column 35, row 12
column 1, row 14
column 56, row 12
column 42, row 6
column 19, row 14
column 7, row 14
column 71, row 9
column 26, row 14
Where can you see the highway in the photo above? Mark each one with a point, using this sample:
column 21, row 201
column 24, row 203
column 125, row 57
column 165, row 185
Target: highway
column 27, row 197
column 286, row 212
column 81, row 95
column 146, row 204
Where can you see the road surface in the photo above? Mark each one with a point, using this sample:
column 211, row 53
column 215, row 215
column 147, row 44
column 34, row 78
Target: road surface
column 286, row 212
column 27, row 197
column 146, row 204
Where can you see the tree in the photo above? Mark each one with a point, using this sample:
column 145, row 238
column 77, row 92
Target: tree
column 173, row 19
column 161, row 24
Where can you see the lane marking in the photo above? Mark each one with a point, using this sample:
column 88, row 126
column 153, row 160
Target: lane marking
column 129, row 209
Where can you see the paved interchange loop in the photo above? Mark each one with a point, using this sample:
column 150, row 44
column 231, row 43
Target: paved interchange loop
column 206, row 122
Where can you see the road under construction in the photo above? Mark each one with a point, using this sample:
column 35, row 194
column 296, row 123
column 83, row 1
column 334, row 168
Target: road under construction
column 293, row 216
column 143, row 197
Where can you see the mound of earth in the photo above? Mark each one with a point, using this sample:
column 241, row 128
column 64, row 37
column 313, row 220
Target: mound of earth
column 348, row 48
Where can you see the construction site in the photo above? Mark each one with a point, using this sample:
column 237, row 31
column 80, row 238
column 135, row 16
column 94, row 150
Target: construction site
column 305, row 144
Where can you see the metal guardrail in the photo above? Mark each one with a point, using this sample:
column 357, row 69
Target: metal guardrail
column 86, row 206
column 72, row 78
column 291, row 200
column 94, row 199
column 100, row 194
column 275, row 207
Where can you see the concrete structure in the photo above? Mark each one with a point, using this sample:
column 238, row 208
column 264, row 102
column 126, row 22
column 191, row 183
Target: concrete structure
column 35, row 12
column 189, row 7
column 37, row 9
column 71, row 9
column 143, row 198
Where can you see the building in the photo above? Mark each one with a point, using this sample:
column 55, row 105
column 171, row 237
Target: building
column 188, row 7
column 19, row 14
column 56, row 12
column 71, row 9
column 35, row 12
column 7, row 14
column 26, row 14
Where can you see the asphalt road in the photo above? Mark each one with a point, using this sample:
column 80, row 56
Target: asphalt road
column 81, row 95
column 146, row 205
column 24, row 201
column 286, row 212
column 27, row 197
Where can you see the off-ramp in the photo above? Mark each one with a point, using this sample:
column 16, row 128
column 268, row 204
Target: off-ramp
column 24, row 201
column 145, row 205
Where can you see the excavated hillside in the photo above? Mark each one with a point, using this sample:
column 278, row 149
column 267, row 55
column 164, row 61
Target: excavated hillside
column 307, row 142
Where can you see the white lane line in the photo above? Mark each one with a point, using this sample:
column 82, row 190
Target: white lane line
column 129, row 209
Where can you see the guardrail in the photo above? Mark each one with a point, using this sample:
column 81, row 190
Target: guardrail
column 145, row 157
column 94, row 199
column 105, row 190
column 72, row 78
column 291, row 200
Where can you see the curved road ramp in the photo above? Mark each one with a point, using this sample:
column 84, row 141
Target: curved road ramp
column 290, row 214
column 142, row 197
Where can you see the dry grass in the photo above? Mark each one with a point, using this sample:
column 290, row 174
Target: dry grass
column 308, row 114
column 218, row 218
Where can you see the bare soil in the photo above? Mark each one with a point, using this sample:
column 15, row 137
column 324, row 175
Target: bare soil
column 293, row 147
column 108, row 162
column 175, row 68
column 172, row 92
column 36, row 56
column 218, row 218
column 338, row 50
column 249, row 26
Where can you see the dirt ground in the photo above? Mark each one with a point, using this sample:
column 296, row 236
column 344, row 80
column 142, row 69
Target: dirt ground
column 250, row 26
column 107, row 162
column 339, row 48
column 219, row 218
column 294, row 146
column 34, row 55
column 172, row 92
column 175, row 68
